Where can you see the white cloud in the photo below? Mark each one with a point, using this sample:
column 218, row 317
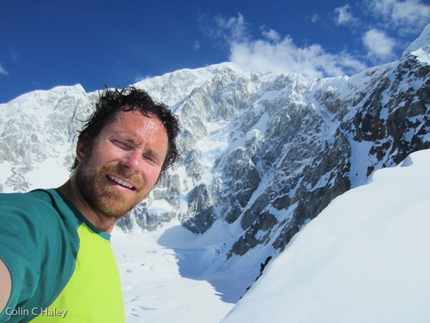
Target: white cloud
column 409, row 16
column 285, row 56
column 315, row 17
column 271, row 34
column 276, row 53
column 2, row 70
column 235, row 27
column 378, row 44
column 343, row 16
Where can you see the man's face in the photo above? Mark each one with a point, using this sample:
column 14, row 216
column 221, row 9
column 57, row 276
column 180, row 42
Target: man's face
column 123, row 164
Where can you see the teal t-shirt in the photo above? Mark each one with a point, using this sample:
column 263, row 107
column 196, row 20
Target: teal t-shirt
column 62, row 267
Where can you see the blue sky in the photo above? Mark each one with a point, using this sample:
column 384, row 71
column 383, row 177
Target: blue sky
column 48, row 43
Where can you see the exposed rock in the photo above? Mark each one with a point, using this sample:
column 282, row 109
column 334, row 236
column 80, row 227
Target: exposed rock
column 199, row 216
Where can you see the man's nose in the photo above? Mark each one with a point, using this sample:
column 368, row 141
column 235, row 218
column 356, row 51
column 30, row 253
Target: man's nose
column 133, row 160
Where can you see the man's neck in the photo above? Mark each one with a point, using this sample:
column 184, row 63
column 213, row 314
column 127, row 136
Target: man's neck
column 72, row 193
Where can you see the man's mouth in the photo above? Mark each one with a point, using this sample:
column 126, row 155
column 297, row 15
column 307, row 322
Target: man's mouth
column 121, row 182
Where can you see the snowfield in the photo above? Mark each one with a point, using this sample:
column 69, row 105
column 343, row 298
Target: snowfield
column 365, row 258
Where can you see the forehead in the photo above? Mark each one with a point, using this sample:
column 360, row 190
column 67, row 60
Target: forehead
column 136, row 120
column 139, row 128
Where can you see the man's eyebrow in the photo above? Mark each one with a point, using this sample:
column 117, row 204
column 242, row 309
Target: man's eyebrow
column 125, row 136
column 130, row 139
column 155, row 153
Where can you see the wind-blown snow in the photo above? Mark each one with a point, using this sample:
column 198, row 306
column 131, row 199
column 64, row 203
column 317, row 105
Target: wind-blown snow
column 365, row 258
column 421, row 41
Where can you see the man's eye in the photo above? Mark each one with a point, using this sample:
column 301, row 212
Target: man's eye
column 150, row 159
column 121, row 145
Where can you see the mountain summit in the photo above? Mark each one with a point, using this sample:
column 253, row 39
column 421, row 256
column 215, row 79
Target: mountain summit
column 422, row 41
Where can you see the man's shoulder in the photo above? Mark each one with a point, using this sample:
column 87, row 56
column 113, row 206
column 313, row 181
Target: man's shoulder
column 36, row 196
column 26, row 202
column 40, row 207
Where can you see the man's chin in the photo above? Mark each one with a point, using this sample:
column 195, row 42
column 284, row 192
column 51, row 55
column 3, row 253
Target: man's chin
column 116, row 208
column 113, row 212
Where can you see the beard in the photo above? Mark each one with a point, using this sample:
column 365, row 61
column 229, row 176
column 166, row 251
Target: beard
column 103, row 198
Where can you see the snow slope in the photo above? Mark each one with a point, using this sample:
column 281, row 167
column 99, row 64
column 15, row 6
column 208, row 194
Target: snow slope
column 365, row 258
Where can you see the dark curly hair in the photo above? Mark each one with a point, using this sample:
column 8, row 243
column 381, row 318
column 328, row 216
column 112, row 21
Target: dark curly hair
column 130, row 99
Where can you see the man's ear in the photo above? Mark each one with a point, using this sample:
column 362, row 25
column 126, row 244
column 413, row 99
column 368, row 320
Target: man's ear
column 81, row 148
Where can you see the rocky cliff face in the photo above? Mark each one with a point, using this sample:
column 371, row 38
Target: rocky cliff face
column 271, row 151
column 261, row 153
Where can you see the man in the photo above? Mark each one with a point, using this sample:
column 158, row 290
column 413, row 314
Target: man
column 56, row 264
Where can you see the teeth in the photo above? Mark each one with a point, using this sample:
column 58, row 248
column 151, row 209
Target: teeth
column 121, row 182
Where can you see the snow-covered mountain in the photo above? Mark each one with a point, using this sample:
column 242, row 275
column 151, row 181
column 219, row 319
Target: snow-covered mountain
column 261, row 154
column 363, row 259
